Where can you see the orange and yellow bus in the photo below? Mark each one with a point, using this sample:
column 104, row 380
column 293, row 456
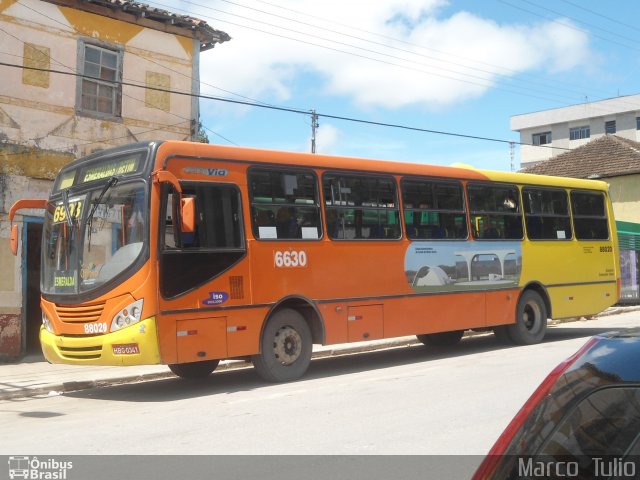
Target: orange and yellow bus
column 185, row 254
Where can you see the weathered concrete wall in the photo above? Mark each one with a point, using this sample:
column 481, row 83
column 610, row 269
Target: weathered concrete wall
column 10, row 298
column 38, row 109
column 12, row 188
column 10, row 336
column 42, row 128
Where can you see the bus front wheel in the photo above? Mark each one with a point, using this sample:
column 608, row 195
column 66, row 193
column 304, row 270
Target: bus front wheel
column 286, row 346
column 531, row 320
column 194, row 369
column 442, row 339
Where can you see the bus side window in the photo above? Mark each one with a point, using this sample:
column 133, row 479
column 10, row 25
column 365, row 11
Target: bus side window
column 190, row 259
column 433, row 209
column 361, row 207
column 171, row 234
column 589, row 215
column 495, row 212
column 546, row 213
column 284, row 204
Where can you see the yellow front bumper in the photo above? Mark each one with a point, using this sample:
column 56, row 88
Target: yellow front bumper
column 134, row 345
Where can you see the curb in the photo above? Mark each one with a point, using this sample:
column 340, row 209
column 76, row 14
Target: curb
column 67, row 387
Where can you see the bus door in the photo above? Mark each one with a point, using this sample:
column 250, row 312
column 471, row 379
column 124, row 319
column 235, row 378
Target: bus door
column 201, row 273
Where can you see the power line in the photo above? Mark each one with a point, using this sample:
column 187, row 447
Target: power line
column 147, row 59
column 571, row 87
column 124, row 94
column 487, row 83
column 566, row 25
column 581, row 7
column 483, row 82
column 107, row 140
column 289, row 109
column 590, row 25
column 73, row 70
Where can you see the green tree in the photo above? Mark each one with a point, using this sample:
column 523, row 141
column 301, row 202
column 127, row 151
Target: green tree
column 201, row 136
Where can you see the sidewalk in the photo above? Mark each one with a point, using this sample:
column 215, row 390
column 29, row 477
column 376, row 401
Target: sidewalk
column 35, row 376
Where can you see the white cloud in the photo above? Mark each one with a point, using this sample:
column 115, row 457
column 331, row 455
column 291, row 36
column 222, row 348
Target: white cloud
column 418, row 57
column 327, row 138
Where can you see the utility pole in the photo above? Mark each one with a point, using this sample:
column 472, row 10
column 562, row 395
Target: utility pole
column 314, row 127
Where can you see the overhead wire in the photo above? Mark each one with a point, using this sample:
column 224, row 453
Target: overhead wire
column 255, row 103
column 601, row 15
column 494, row 69
column 133, row 53
column 562, row 100
column 590, row 25
column 479, row 80
column 150, row 60
column 566, row 25
column 293, row 110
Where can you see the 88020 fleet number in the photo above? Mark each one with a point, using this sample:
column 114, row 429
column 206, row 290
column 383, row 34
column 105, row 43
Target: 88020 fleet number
column 95, row 327
column 290, row 259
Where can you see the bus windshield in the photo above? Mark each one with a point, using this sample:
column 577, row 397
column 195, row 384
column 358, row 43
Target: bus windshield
column 91, row 237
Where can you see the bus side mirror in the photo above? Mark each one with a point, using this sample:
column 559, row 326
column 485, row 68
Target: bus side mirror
column 14, row 239
column 187, row 214
column 19, row 205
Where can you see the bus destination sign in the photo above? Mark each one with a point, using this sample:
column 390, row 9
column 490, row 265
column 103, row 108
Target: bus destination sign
column 110, row 169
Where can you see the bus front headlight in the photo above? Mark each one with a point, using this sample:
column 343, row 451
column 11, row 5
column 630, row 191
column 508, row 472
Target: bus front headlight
column 129, row 315
column 47, row 323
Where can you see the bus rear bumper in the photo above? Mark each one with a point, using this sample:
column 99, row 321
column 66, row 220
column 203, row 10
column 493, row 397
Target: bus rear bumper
column 133, row 345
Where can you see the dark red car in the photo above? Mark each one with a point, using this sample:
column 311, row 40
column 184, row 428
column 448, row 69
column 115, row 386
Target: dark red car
column 582, row 422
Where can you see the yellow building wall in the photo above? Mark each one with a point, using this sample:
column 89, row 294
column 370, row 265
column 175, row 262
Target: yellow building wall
column 625, row 196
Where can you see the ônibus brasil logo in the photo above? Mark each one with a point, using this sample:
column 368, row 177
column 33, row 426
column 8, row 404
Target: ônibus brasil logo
column 38, row 469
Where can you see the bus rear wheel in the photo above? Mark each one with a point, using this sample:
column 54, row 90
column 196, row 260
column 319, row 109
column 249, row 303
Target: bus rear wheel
column 286, row 346
column 442, row 339
column 531, row 320
column 194, row 369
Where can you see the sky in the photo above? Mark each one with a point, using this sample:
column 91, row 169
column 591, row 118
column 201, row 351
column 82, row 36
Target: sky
column 457, row 67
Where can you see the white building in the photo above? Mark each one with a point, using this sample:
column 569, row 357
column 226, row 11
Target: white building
column 548, row 133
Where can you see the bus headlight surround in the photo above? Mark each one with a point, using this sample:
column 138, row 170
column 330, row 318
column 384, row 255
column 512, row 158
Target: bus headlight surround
column 47, row 323
column 129, row 315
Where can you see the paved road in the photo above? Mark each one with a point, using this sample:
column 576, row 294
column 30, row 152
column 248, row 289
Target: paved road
column 408, row 400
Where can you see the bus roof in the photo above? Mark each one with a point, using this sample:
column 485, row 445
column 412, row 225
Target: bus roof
column 330, row 162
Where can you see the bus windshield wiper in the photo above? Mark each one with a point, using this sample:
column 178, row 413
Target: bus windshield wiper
column 112, row 182
column 65, row 204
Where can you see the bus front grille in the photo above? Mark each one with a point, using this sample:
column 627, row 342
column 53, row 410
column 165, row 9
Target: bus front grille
column 80, row 314
column 81, row 353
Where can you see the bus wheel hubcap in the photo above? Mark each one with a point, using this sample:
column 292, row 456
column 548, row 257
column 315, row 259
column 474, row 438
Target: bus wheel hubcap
column 530, row 315
column 287, row 345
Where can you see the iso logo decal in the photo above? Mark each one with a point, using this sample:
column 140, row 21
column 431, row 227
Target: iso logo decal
column 35, row 469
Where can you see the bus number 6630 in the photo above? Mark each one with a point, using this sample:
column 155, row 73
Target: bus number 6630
column 290, row 259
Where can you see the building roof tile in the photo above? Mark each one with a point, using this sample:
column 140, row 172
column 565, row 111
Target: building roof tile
column 606, row 156
column 129, row 10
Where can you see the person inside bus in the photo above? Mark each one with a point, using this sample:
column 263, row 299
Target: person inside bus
column 135, row 221
column 333, row 223
column 491, row 230
column 286, row 223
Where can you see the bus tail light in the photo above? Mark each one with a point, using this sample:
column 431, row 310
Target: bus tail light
column 129, row 315
column 619, row 288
